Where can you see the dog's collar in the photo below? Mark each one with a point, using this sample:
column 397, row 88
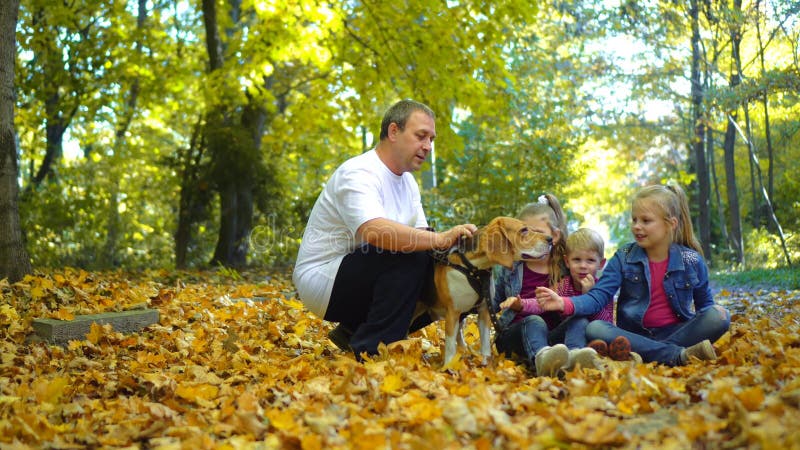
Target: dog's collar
column 466, row 244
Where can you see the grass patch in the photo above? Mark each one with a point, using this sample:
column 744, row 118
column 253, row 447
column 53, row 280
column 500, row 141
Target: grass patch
column 783, row 278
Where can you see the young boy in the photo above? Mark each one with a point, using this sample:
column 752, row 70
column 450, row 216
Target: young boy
column 584, row 258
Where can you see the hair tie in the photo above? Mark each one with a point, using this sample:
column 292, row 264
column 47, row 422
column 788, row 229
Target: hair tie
column 543, row 200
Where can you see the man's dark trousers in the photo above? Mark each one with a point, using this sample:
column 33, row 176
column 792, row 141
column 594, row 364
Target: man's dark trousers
column 375, row 293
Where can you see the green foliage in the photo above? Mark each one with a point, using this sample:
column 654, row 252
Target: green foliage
column 68, row 231
column 530, row 98
column 782, row 278
column 763, row 249
column 229, row 273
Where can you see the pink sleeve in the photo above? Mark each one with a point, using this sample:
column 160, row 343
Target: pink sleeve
column 530, row 306
column 607, row 313
column 569, row 307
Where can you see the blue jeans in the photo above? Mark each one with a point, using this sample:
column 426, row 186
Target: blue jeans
column 665, row 344
column 521, row 340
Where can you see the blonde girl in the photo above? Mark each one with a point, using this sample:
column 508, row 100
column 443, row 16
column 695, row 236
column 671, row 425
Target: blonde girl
column 665, row 307
column 526, row 331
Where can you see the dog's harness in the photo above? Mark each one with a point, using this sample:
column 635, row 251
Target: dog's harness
column 479, row 279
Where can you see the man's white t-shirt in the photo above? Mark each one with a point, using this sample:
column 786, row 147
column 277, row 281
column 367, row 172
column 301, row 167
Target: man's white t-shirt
column 361, row 189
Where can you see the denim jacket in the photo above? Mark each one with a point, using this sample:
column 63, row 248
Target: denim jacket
column 505, row 283
column 685, row 284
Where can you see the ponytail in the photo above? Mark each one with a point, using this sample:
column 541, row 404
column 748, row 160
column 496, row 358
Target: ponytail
column 673, row 202
column 684, row 233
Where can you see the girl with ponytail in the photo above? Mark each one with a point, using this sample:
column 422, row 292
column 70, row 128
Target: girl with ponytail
column 527, row 332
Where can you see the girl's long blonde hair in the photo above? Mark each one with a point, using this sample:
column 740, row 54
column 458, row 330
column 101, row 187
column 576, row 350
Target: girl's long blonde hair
column 548, row 204
column 673, row 203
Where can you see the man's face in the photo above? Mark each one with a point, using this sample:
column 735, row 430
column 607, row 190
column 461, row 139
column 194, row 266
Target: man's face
column 413, row 144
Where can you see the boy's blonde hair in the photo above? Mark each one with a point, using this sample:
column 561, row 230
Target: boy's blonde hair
column 586, row 239
column 672, row 202
column 548, row 204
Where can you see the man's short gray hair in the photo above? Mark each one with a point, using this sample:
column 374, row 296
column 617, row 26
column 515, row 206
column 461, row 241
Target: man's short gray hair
column 399, row 114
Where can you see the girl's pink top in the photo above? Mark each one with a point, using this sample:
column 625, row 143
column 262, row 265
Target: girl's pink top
column 659, row 313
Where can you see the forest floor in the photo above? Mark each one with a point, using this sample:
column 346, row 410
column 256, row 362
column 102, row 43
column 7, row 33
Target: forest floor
column 236, row 362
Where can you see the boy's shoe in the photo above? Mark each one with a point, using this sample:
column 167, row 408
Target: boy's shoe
column 599, row 346
column 703, row 351
column 550, row 360
column 637, row 358
column 585, row 357
column 620, row 349
column 340, row 336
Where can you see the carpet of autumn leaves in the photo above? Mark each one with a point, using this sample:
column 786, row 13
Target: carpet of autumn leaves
column 236, row 362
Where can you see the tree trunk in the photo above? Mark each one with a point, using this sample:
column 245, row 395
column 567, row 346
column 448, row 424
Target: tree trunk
column 54, row 147
column 703, row 181
column 765, row 102
column 223, row 253
column 729, row 147
column 731, row 190
column 189, row 200
column 715, row 182
column 114, row 223
column 14, row 260
column 60, row 105
column 236, row 203
column 767, row 201
column 234, row 149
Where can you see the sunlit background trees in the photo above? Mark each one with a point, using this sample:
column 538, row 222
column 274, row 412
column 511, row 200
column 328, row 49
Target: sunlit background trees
column 174, row 133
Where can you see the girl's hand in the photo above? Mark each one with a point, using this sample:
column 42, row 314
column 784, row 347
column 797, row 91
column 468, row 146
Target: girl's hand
column 513, row 303
column 549, row 300
column 586, row 283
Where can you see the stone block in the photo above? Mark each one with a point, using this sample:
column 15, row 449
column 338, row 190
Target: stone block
column 61, row 332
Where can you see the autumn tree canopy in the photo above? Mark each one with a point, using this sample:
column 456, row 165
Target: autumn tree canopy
column 158, row 134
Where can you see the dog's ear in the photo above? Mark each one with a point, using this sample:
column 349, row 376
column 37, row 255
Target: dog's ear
column 495, row 243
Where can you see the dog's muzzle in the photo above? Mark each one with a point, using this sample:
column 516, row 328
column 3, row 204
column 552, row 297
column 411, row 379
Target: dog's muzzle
column 537, row 253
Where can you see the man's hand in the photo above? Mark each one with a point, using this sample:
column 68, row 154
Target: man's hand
column 586, row 283
column 450, row 237
column 549, row 300
column 512, row 303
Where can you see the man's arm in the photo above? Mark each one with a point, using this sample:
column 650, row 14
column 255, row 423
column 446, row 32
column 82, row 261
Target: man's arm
column 394, row 236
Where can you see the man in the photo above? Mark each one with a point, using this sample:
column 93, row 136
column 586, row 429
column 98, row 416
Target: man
column 363, row 259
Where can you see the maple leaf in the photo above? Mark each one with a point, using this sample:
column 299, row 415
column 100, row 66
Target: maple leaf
column 49, row 390
column 201, row 393
column 63, row 314
column 392, row 384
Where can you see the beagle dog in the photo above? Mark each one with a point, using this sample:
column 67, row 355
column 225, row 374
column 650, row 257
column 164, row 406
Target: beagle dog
column 462, row 278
